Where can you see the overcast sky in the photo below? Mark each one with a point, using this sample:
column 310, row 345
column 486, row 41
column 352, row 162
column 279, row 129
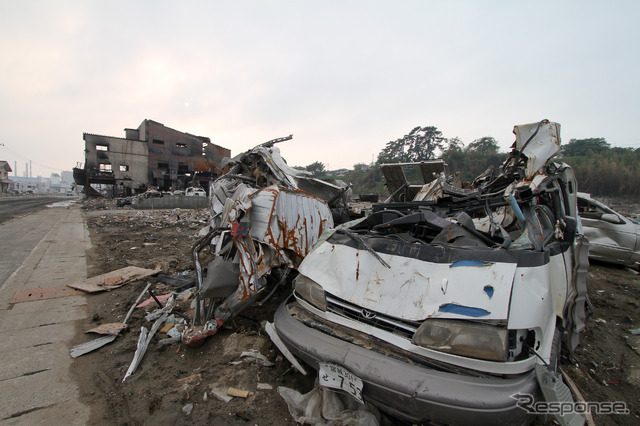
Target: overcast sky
column 344, row 77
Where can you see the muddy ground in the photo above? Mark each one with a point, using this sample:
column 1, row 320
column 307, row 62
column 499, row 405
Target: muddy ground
column 172, row 379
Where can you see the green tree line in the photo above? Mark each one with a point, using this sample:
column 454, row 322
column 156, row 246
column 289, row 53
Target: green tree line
column 601, row 169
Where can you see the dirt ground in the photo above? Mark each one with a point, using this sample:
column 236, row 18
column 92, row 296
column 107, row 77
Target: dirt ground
column 171, row 378
column 607, row 362
column 175, row 384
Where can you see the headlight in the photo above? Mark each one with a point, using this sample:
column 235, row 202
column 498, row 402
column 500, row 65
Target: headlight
column 310, row 291
column 463, row 338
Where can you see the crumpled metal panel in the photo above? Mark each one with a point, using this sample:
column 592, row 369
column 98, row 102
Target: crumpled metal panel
column 410, row 289
column 284, row 226
column 274, row 170
column 431, row 191
column 538, row 142
column 288, row 219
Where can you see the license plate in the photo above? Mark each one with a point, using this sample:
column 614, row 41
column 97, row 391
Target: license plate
column 336, row 377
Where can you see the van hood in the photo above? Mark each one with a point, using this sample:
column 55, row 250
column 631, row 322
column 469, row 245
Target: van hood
column 412, row 289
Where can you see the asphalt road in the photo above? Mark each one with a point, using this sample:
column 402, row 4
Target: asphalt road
column 13, row 207
column 22, row 228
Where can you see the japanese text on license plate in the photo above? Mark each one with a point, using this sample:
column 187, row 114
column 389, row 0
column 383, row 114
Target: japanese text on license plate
column 336, row 377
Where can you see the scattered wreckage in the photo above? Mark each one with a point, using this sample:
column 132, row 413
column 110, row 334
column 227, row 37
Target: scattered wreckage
column 441, row 304
column 447, row 304
column 612, row 236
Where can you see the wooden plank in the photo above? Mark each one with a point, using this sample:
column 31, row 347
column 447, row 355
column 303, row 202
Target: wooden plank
column 119, row 277
column 166, row 328
column 240, row 393
column 43, row 293
column 578, row 396
column 110, row 328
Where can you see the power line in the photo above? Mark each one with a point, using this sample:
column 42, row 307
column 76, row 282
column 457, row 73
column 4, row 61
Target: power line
column 22, row 157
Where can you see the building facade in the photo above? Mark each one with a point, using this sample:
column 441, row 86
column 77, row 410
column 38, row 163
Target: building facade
column 151, row 156
column 5, row 169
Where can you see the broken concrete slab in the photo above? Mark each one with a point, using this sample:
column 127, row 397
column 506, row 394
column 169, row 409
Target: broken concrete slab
column 49, row 304
column 27, row 361
column 34, row 392
column 113, row 279
column 220, row 394
column 29, row 320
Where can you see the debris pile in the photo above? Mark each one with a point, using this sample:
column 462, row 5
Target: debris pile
column 265, row 218
column 238, row 376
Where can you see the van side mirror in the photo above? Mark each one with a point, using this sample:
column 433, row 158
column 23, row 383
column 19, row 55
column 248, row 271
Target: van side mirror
column 611, row 218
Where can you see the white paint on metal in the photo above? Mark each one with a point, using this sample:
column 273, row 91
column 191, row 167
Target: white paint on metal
column 411, row 289
column 532, row 305
column 543, row 146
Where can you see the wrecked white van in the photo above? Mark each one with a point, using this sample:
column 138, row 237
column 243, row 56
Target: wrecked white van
column 439, row 304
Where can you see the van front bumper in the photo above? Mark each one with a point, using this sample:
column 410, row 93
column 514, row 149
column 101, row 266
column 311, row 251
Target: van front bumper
column 403, row 388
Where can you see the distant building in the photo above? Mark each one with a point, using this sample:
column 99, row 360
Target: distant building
column 55, row 184
column 5, row 169
column 151, row 156
column 30, row 185
column 60, row 184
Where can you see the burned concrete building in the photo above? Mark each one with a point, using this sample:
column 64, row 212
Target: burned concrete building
column 150, row 156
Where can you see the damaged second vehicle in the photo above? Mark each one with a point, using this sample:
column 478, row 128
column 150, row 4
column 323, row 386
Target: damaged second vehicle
column 448, row 304
column 265, row 217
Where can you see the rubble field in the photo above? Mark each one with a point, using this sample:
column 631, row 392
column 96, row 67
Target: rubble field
column 175, row 384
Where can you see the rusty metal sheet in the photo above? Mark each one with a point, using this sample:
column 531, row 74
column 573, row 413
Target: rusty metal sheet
column 284, row 226
column 288, row 219
column 44, row 293
column 121, row 277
